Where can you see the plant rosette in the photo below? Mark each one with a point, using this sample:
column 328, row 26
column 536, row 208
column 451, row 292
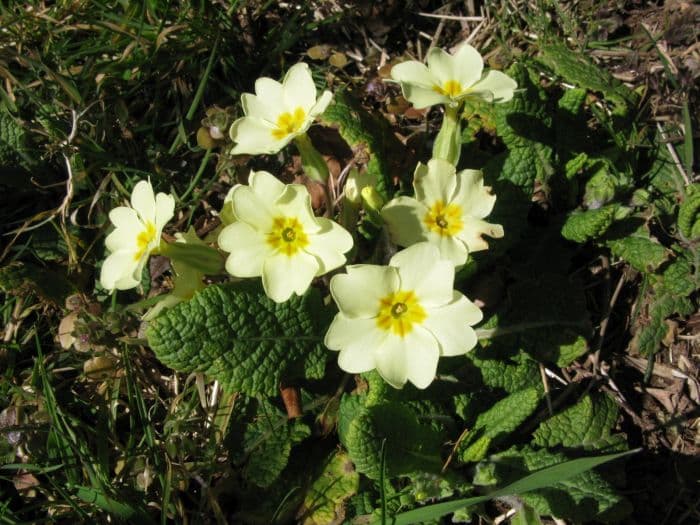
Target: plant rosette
column 136, row 236
column 447, row 211
column 399, row 319
column 276, row 236
column 279, row 113
column 449, row 79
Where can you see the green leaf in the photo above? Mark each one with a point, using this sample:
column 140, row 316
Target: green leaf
column 551, row 475
column 511, row 373
column 577, row 69
column 689, row 213
column 269, row 444
column 325, row 499
column 118, row 509
column 582, row 498
column 20, row 278
column 665, row 179
column 501, row 419
column 587, row 424
column 13, row 143
column 572, row 101
column 525, row 127
column 410, row 447
column 661, row 297
column 576, row 165
column 234, row 333
column 526, row 516
column 365, row 131
column 581, row 226
column 640, row 252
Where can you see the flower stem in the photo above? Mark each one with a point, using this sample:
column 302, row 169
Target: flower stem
column 312, row 162
column 448, row 143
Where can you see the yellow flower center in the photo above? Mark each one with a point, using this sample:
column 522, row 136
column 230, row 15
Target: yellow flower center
column 451, row 88
column 288, row 123
column 143, row 239
column 399, row 312
column 445, row 220
column 287, row 235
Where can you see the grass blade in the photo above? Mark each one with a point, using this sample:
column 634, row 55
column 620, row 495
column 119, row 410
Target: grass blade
column 537, row 480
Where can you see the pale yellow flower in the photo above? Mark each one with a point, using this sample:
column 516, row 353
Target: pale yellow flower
column 449, row 79
column 276, row 236
column 447, row 211
column 401, row 318
column 278, row 112
column 136, row 235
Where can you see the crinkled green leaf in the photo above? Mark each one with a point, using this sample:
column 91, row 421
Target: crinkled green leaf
column 640, row 252
column 576, row 165
column 660, row 297
column 500, row 420
column 364, row 131
column 410, row 446
column 268, row 444
column 325, row 500
column 13, row 143
column 689, row 213
column 351, row 406
column 572, row 101
column 581, row 226
column 680, row 278
column 525, row 127
column 600, row 187
column 582, row 498
column 234, row 333
column 577, row 69
column 19, row 278
column 587, row 424
column 509, row 373
column 546, row 477
column 524, row 119
column 665, row 179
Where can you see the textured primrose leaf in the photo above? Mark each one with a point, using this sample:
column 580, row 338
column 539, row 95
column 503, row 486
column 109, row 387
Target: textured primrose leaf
column 410, row 446
column 665, row 179
column 641, row 253
column 364, row 131
column 581, row 499
column 19, row 278
column 587, row 424
column 510, row 373
column 581, row 226
column 577, row 69
column 499, row 421
column 13, row 141
column 663, row 296
column 325, row 501
column 234, row 333
column 689, row 213
column 525, row 127
column 572, row 101
column 269, row 444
